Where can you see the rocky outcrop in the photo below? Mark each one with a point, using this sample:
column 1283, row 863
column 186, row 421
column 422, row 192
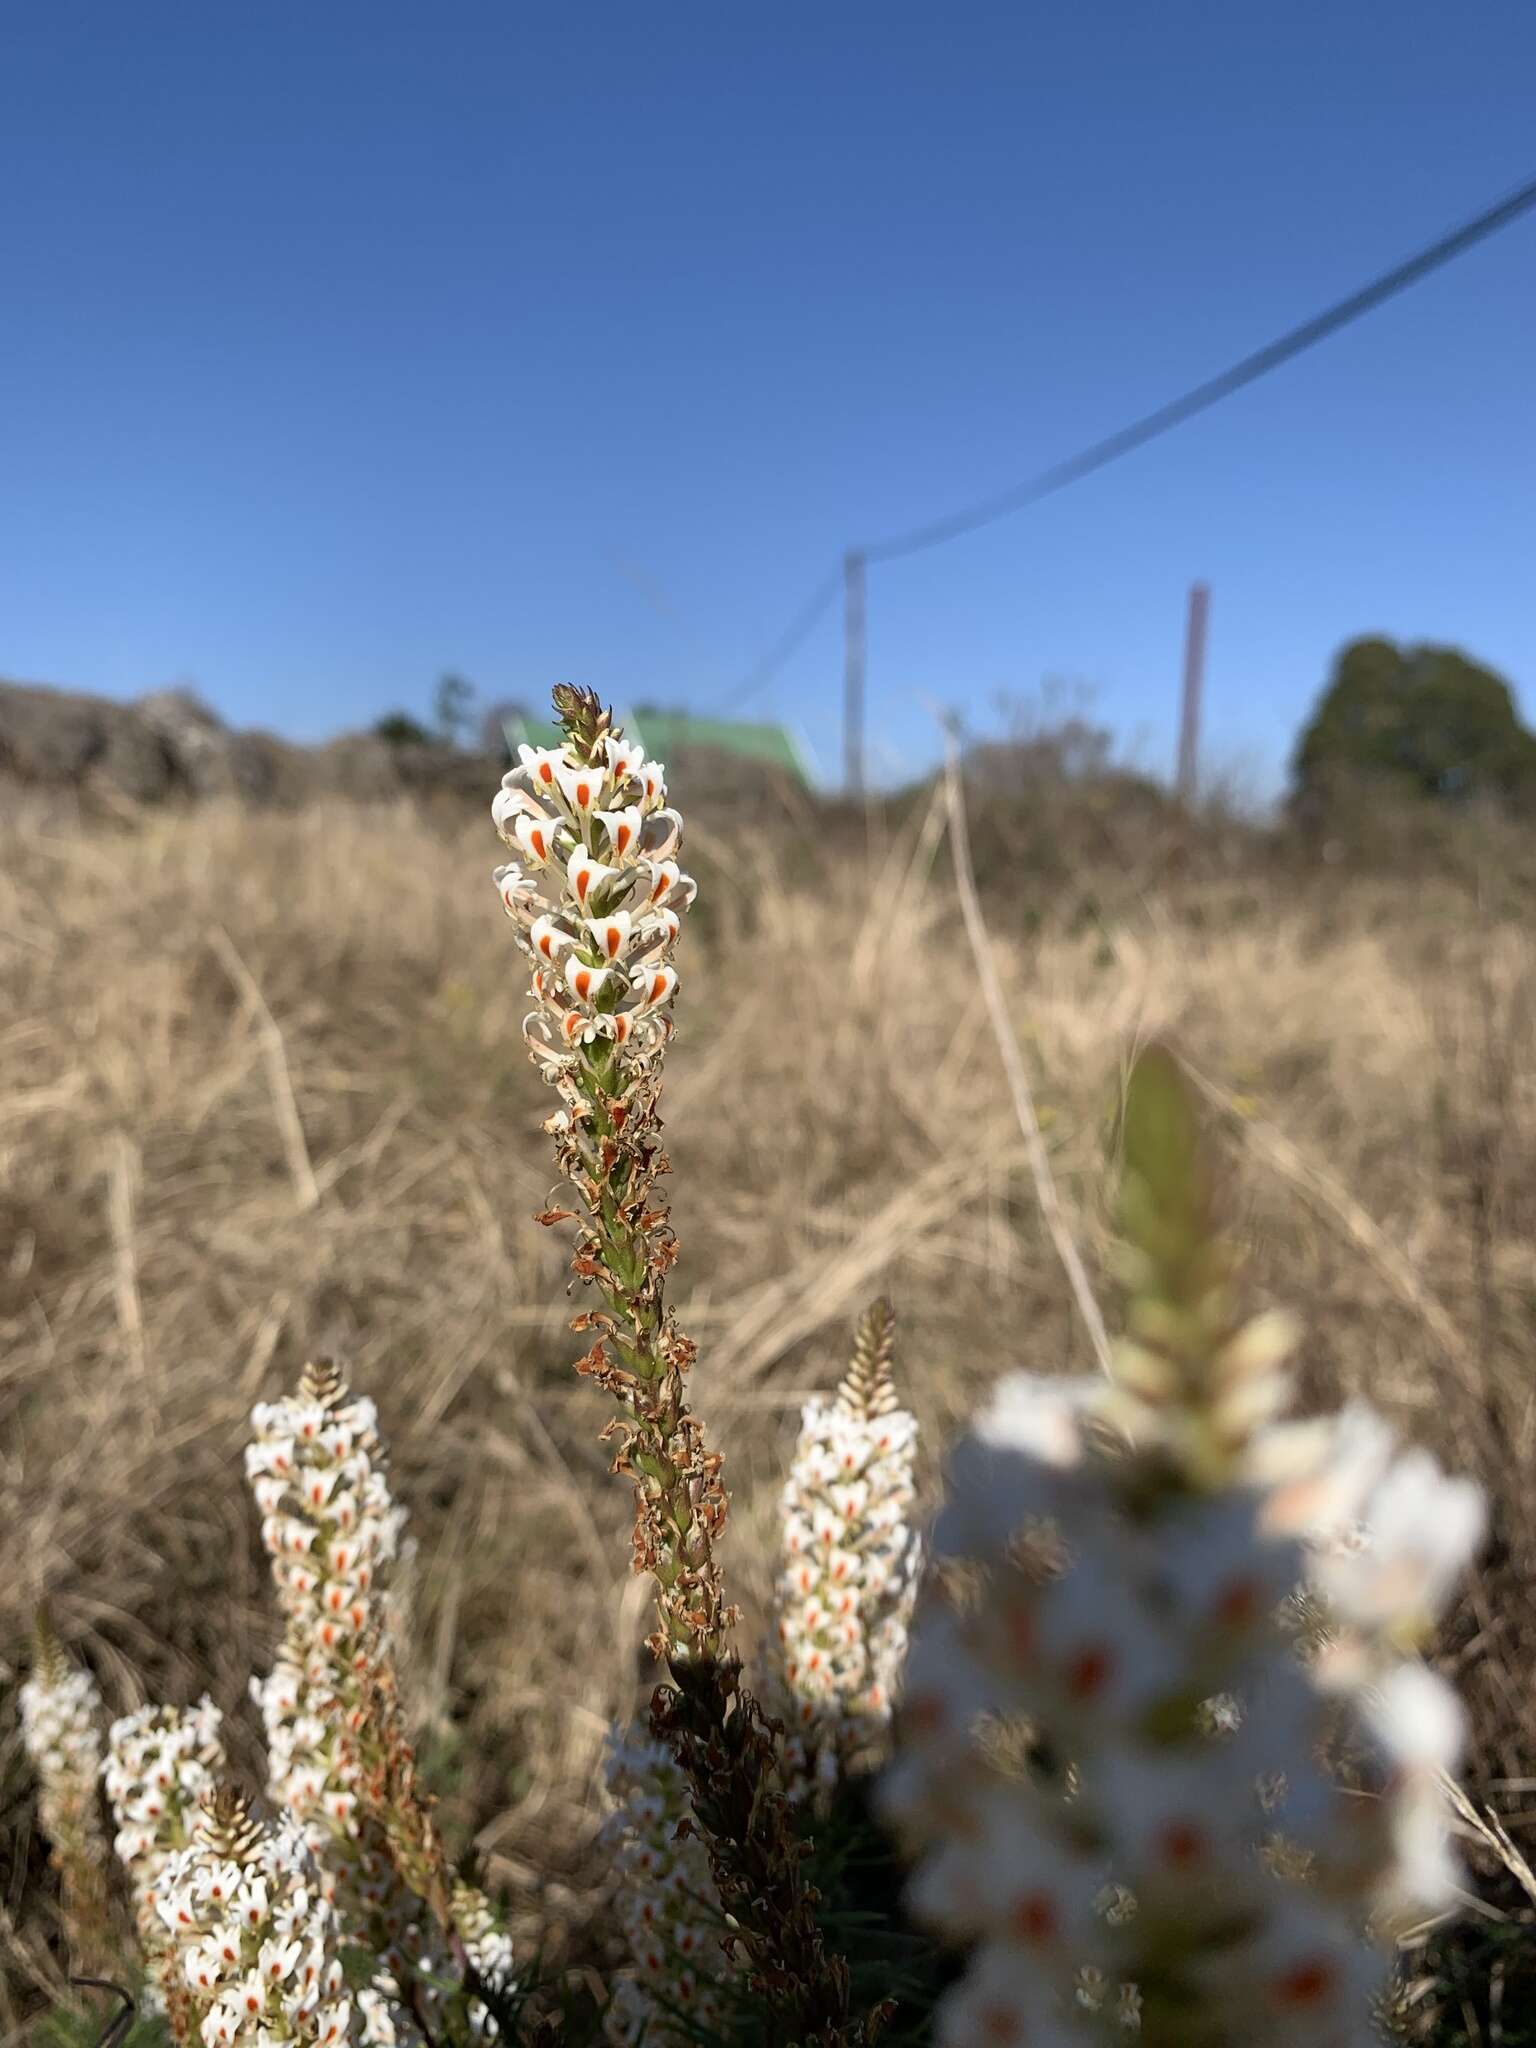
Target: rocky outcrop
column 196, row 740
column 170, row 745
column 56, row 739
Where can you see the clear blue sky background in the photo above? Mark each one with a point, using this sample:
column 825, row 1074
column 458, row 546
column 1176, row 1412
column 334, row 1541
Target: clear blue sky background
column 342, row 344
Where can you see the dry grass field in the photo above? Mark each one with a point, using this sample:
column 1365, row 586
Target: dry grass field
column 263, row 1093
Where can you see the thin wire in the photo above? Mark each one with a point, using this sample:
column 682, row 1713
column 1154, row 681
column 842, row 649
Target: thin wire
column 789, row 641
column 1149, row 428
column 1203, row 396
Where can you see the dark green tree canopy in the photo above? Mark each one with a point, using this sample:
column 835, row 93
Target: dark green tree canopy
column 1424, row 718
column 401, row 730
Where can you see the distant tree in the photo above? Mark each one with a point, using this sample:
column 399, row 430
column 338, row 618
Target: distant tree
column 1047, row 737
column 453, row 709
column 1425, row 719
column 401, row 730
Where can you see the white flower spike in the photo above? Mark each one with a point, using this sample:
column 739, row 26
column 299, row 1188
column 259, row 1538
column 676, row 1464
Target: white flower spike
column 596, row 886
column 259, row 1944
column 161, row 1761
column 61, row 1723
column 334, row 1533
column 849, row 1571
column 335, row 1536
column 665, row 1900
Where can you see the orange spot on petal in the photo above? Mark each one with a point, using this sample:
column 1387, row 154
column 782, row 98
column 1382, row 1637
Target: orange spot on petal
column 1238, row 1605
column 1182, row 1844
column 1307, row 1984
column 1035, row 1918
column 1088, row 1673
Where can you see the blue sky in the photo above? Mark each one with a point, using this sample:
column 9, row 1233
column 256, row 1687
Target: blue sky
column 344, row 344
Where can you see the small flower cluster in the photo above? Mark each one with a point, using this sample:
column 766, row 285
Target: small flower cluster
column 668, row 1907
column 849, row 1573
column 161, row 1761
column 309, row 1777
column 1102, row 1704
column 1386, row 1537
column 487, row 1945
column 256, row 1941
column 1112, row 1757
column 318, row 1469
column 595, row 892
column 61, row 1719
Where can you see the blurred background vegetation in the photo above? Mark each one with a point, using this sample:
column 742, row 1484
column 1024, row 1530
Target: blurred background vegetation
column 1351, row 976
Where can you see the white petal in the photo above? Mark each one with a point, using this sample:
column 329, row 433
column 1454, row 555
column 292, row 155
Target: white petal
column 585, row 876
column 655, row 986
column 540, row 764
column 584, row 981
column 663, row 875
column 624, row 757
column 611, row 934
column 548, row 938
column 582, row 788
column 1418, row 1718
column 623, row 827
column 535, row 838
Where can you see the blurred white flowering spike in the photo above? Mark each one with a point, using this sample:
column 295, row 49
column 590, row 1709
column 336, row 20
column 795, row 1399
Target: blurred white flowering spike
column 318, row 1468
column 318, row 1471
column 256, row 1939
column 160, row 1763
column 848, row 1574
column 488, row 1947
column 1391, row 1574
column 61, row 1722
column 1111, row 1755
column 665, row 1900
column 60, row 1730
column 1053, row 1746
column 593, row 882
